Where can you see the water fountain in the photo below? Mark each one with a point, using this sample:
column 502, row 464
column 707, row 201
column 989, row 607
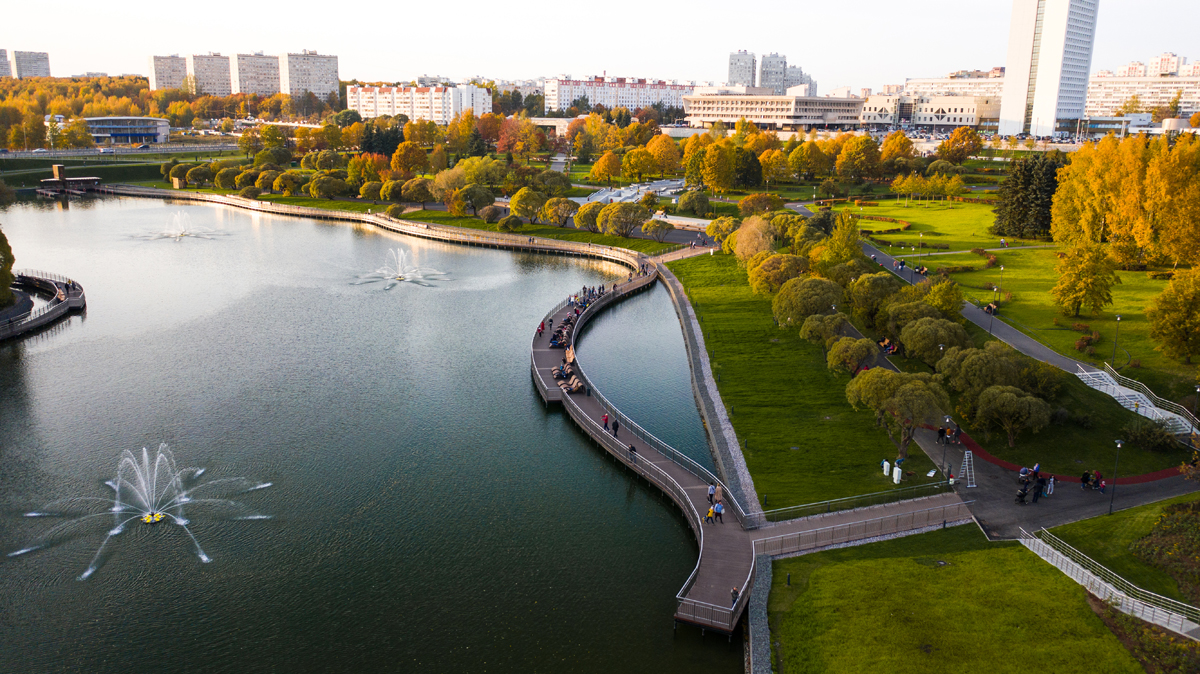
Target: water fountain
column 148, row 491
column 182, row 227
column 396, row 269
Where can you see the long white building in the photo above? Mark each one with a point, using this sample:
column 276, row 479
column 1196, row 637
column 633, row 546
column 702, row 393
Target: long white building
column 255, row 74
column 1106, row 94
column 935, row 112
column 308, row 71
column 612, row 92
column 1049, row 57
column 438, row 104
column 991, row 87
column 708, row 105
column 29, row 64
column 167, row 72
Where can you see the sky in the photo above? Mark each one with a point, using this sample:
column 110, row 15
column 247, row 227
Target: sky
column 867, row 43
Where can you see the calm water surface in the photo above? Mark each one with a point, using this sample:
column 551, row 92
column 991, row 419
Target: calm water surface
column 428, row 513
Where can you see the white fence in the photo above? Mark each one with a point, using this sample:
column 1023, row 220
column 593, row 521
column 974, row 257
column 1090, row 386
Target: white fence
column 856, row 531
column 1121, row 594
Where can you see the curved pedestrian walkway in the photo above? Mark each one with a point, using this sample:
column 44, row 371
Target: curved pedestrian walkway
column 65, row 296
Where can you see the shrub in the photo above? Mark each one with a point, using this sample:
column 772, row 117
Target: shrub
column 370, row 190
column 696, row 202
column 250, row 192
column 1081, row 327
column 770, row 275
column 1161, row 275
column 491, row 214
column 800, row 298
column 226, row 179
column 1149, row 435
column 759, row 203
column 246, row 179
column 395, row 211
column 509, row 223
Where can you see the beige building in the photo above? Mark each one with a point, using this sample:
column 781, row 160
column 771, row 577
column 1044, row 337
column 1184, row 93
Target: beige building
column 613, row 92
column 255, row 74
column 979, row 112
column 709, row 105
column 991, row 87
column 438, row 104
column 167, row 72
column 29, row 64
column 210, row 74
column 308, row 71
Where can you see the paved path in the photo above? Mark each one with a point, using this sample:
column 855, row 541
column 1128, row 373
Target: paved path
column 559, row 163
column 957, row 252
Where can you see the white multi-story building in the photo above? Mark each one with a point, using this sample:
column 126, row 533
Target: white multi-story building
column 308, row 71
column 937, row 112
column 432, row 80
column 613, row 92
column 167, row 72
column 741, row 69
column 438, row 104
column 1132, row 69
column 708, row 105
column 1049, row 57
column 990, row 87
column 210, row 74
column 1106, row 94
column 797, row 77
column 772, row 73
column 1190, row 70
column 255, row 74
column 29, row 64
column 1167, row 63
column 5, row 69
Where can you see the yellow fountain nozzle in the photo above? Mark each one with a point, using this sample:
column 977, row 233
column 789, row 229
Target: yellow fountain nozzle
column 151, row 518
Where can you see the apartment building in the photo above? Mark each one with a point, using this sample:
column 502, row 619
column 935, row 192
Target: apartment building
column 991, row 87
column 5, row 69
column 209, row 74
column 308, row 71
column 741, row 69
column 29, row 64
column 796, row 77
column 167, row 72
column 612, row 92
column 1167, row 63
column 1106, row 94
column 772, row 73
column 708, row 105
column 437, row 104
column 255, row 74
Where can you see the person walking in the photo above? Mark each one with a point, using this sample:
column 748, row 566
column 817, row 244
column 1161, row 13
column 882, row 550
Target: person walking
column 604, row 420
column 1050, row 486
column 709, row 517
column 718, row 508
column 719, row 494
column 616, row 426
column 1039, row 487
column 1085, row 479
column 712, row 489
column 957, row 434
column 633, row 455
column 1098, row 481
column 734, row 594
column 941, row 435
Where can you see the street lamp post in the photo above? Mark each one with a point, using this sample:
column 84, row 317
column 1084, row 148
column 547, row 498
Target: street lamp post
column 1115, row 338
column 1113, row 497
column 1001, row 288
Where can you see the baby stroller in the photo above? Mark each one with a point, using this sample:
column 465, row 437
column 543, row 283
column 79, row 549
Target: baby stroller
column 1021, row 494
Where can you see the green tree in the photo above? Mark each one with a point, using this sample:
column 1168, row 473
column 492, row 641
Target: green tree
column 327, row 187
column 437, row 159
column 558, row 210
column 657, row 229
column 327, row 160
column 370, row 190
column 553, row 183
column 1086, row 275
column 1026, row 197
column 250, row 142
column 693, row 174
column 694, row 201
column 6, row 275
column 871, row 293
column 747, row 171
column 476, row 197
column 859, row 158
column 927, row 338
column 947, row 297
column 830, row 188
column 225, row 178
column 288, row 183
column 272, row 136
column 800, row 298
column 1175, row 316
column 526, row 203
column 266, row 179
column 587, row 216
column 899, row 314
column 848, row 354
column 621, row 219
column 510, row 223
column 417, row 191
column 246, row 179
column 808, row 160
column 753, row 204
column 769, row 276
column 824, row 328
column 1013, row 410
column 720, row 229
column 902, row 402
column 960, row 146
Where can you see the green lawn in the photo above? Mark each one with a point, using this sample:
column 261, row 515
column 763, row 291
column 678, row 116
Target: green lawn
column 802, row 441
column 893, row 607
column 1030, row 274
column 1107, row 539
column 962, row 226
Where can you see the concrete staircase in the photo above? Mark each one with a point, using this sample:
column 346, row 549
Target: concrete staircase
column 1134, row 396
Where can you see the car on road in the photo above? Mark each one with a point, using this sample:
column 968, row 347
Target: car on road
column 143, row 146
column 40, row 149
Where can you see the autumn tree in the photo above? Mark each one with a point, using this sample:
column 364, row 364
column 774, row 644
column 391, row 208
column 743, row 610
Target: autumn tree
column 620, row 219
column 273, row 136
column 6, row 276
column 800, row 298
column 1013, row 410
column 1175, row 316
column 587, row 216
column 526, row 203
column 902, row 402
column 960, row 146
column 897, row 145
column 657, row 229
column 250, row 142
column 606, row 168
column 409, row 159
column 754, row 204
column 638, row 163
column 558, row 210
column 774, row 166
column 666, row 154
column 437, row 159
column 859, row 158
column 718, row 168
column 926, row 339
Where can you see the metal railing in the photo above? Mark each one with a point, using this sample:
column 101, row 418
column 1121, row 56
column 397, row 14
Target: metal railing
column 855, row 531
column 779, row 515
column 57, row 307
column 1108, row 586
column 1162, row 403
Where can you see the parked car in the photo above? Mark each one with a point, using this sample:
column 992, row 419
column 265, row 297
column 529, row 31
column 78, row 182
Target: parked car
column 40, row 149
column 143, row 146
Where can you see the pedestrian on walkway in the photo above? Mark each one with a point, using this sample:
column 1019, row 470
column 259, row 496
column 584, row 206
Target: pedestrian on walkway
column 941, row 435
column 711, row 490
column 1103, row 484
column 604, row 420
column 719, row 494
column 616, row 426
column 1050, row 486
column 1085, row 479
column 719, row 509
column 1098, row 481
column 735, row 597
column 633, row 455
column 708, row 518
column 957, row 434
column 1039, row 489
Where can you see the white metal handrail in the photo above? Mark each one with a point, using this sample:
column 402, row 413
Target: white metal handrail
column 1115, row 582
column 1153, row 397
column 851, row 502
column 851, row 531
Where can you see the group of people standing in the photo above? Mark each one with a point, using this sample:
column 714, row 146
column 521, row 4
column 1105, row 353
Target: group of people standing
column 1032, row 478
column 1094, row 479
column 949, row 436
column 716, row 504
